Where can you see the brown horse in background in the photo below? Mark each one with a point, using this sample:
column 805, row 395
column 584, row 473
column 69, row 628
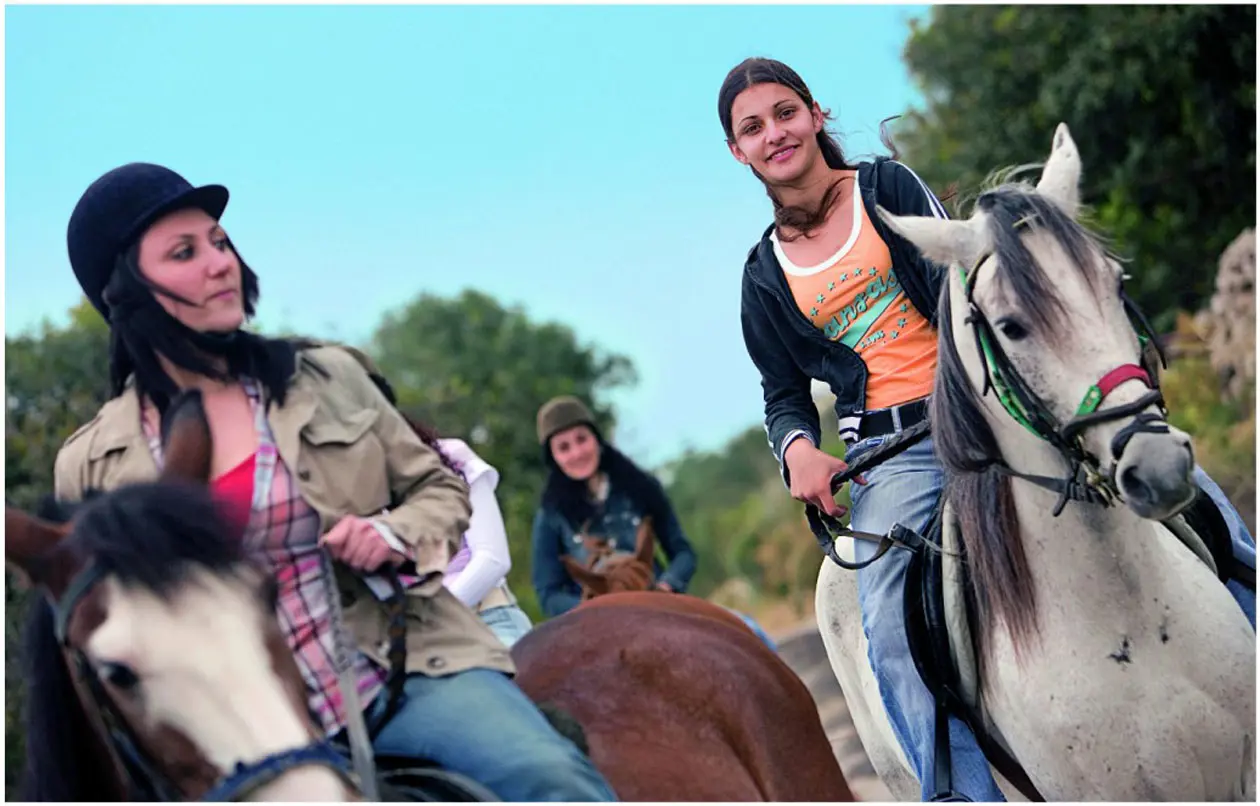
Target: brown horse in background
column 679, row 700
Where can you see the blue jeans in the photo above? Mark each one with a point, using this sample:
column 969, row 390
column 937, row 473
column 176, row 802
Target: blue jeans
column 905, row 489
column 479, row 724
column 1243, row 543
column 508, row 622
column 756, row 628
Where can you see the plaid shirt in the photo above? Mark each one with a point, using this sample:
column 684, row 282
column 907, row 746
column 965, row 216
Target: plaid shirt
column 283, row 535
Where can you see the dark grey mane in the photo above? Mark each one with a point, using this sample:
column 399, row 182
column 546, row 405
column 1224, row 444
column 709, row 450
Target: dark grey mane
column 1015, row 211
column 1001, row 588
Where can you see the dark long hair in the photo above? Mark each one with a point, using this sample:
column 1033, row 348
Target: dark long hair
column 429, row 436
column 769, row 71
column 141, row 329
column 571, row 497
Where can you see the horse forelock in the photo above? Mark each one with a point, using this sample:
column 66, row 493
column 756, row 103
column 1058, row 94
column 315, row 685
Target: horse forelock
column 620, row 573
column 151, row 535
column 1016, row 211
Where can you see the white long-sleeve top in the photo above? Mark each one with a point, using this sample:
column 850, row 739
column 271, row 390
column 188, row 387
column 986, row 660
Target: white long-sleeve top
column 483, row 561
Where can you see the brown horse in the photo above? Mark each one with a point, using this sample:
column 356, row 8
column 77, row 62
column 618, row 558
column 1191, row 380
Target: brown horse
column 678, row 698
column 680, row 701
column 609, row 572
column 155, row 667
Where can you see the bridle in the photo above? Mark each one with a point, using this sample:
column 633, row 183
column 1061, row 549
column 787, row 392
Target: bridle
column 1085, row 480
column 143, row 774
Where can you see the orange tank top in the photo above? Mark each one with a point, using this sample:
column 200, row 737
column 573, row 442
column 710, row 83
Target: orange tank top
column 854, row 298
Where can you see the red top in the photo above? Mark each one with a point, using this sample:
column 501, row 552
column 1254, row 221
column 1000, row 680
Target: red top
column 235, row 490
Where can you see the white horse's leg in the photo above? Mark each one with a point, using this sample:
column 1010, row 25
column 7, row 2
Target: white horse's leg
column 840, row 624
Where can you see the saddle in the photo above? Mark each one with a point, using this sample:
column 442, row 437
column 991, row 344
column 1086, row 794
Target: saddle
column 939, row 615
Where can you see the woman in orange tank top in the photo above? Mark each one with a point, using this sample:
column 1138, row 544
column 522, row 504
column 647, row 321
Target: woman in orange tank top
column 830, row 294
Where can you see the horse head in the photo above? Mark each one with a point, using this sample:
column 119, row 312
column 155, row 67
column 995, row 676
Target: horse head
column 172, row 632
column 1034, row 309
column 617, row 573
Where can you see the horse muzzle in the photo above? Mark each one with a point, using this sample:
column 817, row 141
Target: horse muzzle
column 1154, row 474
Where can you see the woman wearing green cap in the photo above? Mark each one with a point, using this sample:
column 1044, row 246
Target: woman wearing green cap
column 595, row 491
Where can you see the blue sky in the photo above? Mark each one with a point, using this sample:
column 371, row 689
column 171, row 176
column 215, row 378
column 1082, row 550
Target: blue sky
column 567, row 159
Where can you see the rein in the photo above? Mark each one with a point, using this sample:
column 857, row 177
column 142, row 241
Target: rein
column 145, row 775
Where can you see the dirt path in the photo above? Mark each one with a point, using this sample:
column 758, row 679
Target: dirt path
column 802, row 649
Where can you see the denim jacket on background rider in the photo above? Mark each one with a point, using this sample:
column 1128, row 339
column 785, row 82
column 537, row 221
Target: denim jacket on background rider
column 618, row 519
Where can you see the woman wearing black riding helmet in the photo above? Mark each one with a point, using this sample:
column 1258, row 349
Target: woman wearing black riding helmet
column 307, row 453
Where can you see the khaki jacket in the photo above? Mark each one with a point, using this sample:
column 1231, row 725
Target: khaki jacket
column 349, row 449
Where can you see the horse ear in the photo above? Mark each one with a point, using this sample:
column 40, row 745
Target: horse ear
column 592, row 581
column 645, row 543
column 1060, row 179
column 186, row 439
column 31, row 548
column 940, row 239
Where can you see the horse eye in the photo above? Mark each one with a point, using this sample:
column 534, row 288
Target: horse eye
column 120, row 676
column 1012, row 329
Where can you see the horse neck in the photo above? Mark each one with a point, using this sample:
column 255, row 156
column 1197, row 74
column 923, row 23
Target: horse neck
column 1109, row 546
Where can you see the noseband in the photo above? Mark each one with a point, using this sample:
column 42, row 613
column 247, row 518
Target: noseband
column 1085, row 480
column 144, row 775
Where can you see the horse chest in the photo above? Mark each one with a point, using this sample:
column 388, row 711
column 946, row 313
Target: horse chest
column 1130, row 701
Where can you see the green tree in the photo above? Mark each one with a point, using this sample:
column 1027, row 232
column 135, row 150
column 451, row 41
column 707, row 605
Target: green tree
column 55, row 381
column 741, row 520
column 478, row 371
column 1161, row 101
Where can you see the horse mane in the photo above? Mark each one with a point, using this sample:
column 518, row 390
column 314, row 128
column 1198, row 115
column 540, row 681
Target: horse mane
column 1001, row 587
column 1011, row 205
column 148, row 535
column 627, row 572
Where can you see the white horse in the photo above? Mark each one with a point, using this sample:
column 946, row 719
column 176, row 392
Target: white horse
column 1113, row 663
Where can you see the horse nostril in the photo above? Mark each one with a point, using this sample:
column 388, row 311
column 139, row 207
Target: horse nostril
column 1133, row 487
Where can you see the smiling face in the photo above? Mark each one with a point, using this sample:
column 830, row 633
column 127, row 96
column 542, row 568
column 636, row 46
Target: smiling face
column 188, row 254
column 576, row 451
column 776, row 133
